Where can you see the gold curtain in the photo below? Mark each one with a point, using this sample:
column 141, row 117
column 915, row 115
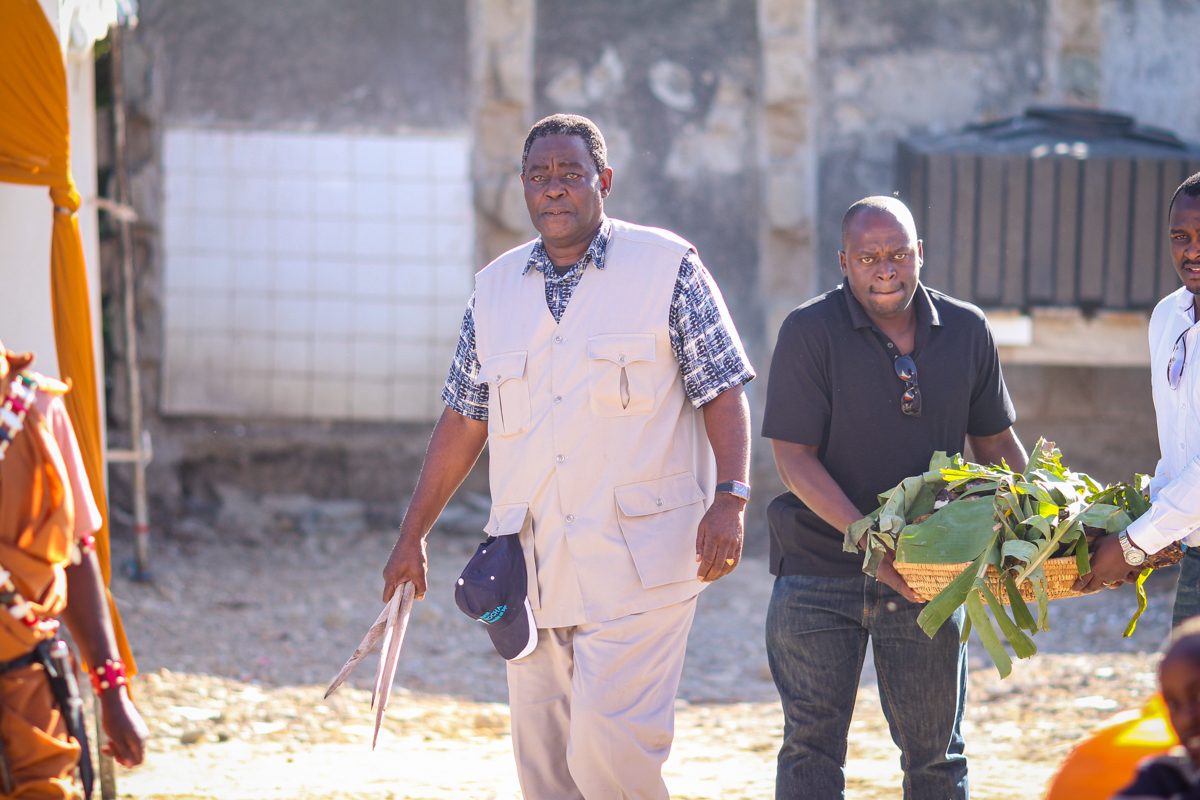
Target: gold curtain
column 35, row 148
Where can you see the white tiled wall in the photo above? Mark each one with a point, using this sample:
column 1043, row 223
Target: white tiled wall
column 319, row 276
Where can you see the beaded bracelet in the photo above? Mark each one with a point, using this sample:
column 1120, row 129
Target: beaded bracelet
column 14, row 407
column 109, row 675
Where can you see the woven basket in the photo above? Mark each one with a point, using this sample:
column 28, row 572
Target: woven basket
column 929, row 579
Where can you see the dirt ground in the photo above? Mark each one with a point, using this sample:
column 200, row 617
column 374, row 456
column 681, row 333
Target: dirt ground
column 237, row 636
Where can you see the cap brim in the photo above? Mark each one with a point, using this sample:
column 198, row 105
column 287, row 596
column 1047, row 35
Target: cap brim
column 518, row 638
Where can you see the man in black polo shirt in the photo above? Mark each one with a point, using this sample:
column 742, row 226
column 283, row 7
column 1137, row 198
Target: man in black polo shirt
column 867, row 381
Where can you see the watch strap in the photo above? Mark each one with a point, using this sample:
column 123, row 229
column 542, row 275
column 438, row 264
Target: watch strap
column 735, row 488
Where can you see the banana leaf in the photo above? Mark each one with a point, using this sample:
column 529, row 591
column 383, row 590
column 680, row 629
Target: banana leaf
column 1030, row 517
column 987, row 634
column 1142, row 602
column 948, row 600
column 1020, row 549
column 1082, row 562
column 956, row 533
column 1022, row 645
column 1109, row 517
column 1020, row 611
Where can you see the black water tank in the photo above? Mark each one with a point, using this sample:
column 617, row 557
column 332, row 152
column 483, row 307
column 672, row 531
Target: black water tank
column 1060, row 207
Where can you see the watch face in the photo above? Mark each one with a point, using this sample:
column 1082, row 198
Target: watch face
column 735, row 488
column 1133, row 554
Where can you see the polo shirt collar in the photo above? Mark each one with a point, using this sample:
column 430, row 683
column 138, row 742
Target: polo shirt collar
column 595, row 253
column 927, row 313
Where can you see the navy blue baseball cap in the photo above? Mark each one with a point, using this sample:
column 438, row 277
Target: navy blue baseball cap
column 493, row 590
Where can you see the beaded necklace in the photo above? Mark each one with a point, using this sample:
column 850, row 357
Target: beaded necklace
column 14, row 407
column 21, row 609
column 16, row 404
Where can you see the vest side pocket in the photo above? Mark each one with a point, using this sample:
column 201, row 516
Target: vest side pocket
column 659, row 520
column 508, row 393
column 621, row 374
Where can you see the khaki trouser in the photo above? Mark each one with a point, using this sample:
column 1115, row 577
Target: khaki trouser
column 593, row 707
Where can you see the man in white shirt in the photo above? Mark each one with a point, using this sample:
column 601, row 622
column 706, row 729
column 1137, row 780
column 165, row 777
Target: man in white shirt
column 1175, row 377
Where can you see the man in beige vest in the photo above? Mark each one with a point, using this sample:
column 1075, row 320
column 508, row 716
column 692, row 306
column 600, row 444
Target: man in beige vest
column 600, row 364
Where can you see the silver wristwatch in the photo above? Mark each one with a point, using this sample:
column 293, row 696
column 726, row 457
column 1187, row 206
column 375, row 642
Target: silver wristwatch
column 735, row 488
column 1134, row 555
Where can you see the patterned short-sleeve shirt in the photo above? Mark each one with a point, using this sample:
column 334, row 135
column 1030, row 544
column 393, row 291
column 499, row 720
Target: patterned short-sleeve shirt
column 711, row 358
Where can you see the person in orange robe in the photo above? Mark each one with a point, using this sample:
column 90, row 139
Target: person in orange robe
column 47, row 518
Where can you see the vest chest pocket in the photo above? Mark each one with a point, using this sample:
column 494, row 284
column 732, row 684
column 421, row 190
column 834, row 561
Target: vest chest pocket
column 508, row 393
column 621, row 374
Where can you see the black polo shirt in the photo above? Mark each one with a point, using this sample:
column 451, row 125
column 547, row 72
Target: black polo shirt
column 833, row 385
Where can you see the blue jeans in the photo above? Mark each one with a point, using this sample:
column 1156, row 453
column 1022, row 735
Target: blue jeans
column 817, row 632
column 1187, row 591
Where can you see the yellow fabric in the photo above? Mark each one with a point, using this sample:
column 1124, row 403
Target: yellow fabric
column 1106, row 760
column 35, row 148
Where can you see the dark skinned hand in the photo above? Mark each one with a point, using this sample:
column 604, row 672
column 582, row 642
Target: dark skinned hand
column 1109, row 569
column 888, row 574
column 408, row 562
column 127, row 732
column 719, row 537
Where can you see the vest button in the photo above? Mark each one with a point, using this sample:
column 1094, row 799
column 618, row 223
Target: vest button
column 621, row 359
column 558, row 398
column 658, row 502
column 558, row 340
column 497, row 379
column 560, row 458
column 570, row 518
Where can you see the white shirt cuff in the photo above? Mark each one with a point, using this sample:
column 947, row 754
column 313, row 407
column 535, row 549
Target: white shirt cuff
column 1148, row 538
column 1174, row 516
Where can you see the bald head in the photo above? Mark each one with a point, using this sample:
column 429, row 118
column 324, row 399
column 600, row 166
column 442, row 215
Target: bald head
column 879, row 204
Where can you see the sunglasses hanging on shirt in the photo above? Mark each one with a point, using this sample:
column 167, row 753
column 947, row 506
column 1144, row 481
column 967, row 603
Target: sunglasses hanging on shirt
column 910, row 401
column 1178, row 357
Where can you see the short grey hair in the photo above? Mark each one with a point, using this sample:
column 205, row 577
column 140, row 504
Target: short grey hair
column 569, row 125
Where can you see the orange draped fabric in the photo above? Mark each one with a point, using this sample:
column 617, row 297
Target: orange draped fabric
column 35, row 148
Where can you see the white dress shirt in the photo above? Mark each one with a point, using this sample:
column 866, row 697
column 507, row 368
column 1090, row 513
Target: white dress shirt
column 1175, row 487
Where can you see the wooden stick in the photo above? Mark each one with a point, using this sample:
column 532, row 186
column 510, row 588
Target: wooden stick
column 367, row 644
column 393, row 608
column 397, row 626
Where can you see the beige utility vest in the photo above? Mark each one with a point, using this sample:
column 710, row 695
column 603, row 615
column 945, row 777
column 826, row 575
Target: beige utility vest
column 598, row 459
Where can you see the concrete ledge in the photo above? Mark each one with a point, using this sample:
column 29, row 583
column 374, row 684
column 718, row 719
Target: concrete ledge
column 1065, row 337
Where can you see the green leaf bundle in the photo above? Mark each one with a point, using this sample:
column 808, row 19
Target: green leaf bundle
column 981, row 516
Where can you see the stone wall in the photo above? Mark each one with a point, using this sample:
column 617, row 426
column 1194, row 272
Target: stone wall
column 1148, row 65
column 1101, row 419
column 674, row 86
column 888, row 70
column 747, row 126
column 360, row 66
column 383, row 66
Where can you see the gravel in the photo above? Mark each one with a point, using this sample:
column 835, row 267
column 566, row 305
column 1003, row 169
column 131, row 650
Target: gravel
column 237, row 636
